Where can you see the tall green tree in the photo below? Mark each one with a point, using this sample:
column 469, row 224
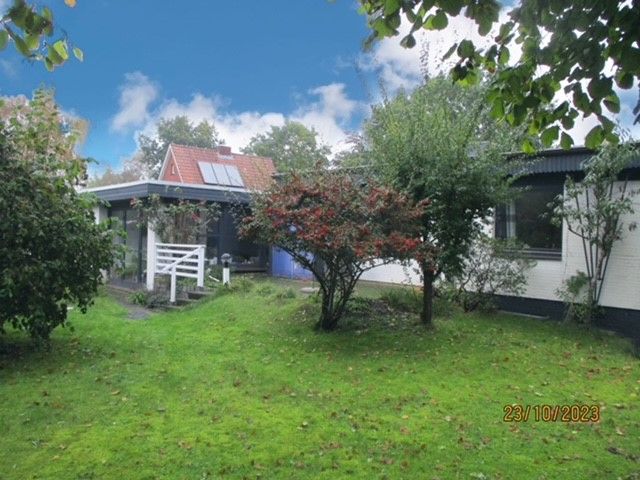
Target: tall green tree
column 52, row 251
column 565, row 47
column 439, row 143
column 174, row 130
column 32, row 32
column 292, row 147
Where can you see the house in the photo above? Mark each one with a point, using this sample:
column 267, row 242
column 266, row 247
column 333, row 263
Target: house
column 198, row 174
column 559, row 253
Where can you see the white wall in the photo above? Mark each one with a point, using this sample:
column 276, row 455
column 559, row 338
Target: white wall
column 394, row 273
column 100, row 213
column 622, row 281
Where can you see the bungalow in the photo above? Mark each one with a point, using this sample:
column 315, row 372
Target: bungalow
column 189, row 173
column 228, row 178
column 559, row 253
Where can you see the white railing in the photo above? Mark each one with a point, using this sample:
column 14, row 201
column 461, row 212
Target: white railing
column 180, row 260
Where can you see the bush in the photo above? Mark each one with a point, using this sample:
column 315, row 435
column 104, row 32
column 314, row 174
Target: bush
column 265, row 290
column 403, row 299
column 287, row 293
column 149, row 299
column 580, row 306
column 240, row 284
column 494, row 266
column 52, row 251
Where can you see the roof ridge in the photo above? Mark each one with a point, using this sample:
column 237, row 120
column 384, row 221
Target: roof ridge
column 214, row 150
column 193, row 146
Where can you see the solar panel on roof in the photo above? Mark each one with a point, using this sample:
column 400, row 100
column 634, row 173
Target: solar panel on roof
column 218, row 174
column 207, row 172
column 221, row 174
column 235, row 179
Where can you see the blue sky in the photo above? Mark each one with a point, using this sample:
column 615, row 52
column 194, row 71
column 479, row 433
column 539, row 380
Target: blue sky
column 244, row 65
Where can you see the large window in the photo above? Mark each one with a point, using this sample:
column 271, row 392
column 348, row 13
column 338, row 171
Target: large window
column 528, row 219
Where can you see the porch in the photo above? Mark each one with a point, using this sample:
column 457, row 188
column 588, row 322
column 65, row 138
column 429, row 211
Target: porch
column 141, row 242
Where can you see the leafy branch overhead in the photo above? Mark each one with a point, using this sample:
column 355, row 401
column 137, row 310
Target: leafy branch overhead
column 565, row 49
column 32, row 31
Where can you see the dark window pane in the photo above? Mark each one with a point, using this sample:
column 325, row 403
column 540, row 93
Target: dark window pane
column 533, row 218
column 528, row 218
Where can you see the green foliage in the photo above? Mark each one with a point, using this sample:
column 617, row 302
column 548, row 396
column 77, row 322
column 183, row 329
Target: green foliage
column 291, row 147
column 265, row 290
column 580, row 305
column 594, row 210
column 52, row 251
column 286, row 294
column 214, row 271
column 240, row 284
column 31, row 30
column 149, row 299
column 565, row 47
column 403, row 299
column 337, row 227
column 182, row 222
column 132, row 170
column 493, row 267
column 439, row 143
column 177, row 130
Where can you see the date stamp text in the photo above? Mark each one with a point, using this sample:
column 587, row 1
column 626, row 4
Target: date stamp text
column 552, row 413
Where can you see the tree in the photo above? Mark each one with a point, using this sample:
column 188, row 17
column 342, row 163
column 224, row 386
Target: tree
column 494, row 266
column 594, row 209
column 174, row 130
column 133, row 169
column 291, row 147
column 31, row 29
column 184, row 221
column 438, row 143
column 337, row 227
column 52, row 251
column 565, row 46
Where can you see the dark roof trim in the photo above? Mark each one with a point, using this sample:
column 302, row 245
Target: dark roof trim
column 128, row 191
column 558, row 161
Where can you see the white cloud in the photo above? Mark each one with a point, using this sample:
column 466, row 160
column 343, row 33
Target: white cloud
column 331, row 115
column 136, row 96
column 326, row 108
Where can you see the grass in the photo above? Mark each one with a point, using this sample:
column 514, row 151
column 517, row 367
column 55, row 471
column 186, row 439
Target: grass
column 243, row 387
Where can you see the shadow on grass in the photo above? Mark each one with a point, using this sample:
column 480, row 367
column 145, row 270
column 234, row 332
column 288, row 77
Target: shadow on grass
column 374, row 324
column 18, row 351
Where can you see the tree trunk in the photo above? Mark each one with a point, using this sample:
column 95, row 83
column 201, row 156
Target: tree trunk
column 426, row 315
column 328, row 319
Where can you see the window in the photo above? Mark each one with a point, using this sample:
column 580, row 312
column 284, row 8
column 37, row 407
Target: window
column 528, row 219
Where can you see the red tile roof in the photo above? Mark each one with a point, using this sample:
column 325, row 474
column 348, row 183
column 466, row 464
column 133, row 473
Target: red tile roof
column 181, row 165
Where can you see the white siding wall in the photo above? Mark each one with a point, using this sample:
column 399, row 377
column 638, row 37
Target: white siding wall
column 394, row 273
column 622, row 281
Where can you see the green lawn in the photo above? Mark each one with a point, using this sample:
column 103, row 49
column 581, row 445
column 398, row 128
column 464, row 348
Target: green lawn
column 243, row 387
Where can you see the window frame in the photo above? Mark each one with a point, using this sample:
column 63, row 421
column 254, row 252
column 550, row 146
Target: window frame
column 510, row 224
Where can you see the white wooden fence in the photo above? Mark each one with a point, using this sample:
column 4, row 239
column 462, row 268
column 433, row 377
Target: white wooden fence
column 180, row 260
